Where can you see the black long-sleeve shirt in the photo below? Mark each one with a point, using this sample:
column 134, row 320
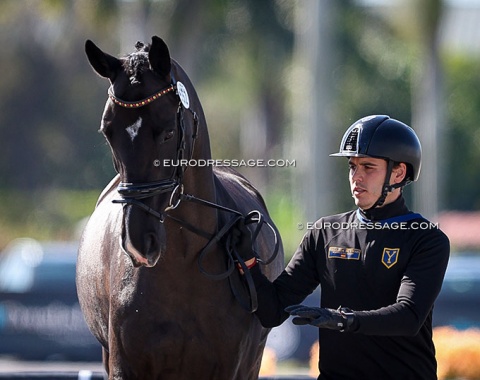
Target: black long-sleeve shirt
column 387, row 266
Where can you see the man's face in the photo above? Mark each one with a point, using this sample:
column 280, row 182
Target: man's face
column 366, row 176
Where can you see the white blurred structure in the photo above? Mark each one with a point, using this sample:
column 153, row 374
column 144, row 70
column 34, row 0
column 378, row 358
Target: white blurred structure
column 312, row 85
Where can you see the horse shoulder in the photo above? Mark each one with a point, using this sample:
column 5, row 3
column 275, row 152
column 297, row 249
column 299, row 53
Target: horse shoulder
column 108, row 189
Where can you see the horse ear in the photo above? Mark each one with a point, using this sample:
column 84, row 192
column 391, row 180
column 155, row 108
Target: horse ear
column 104, row 64
column 159, row 57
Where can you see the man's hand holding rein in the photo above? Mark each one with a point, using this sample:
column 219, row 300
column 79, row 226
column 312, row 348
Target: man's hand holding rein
column 342, row 319
column 243, row 244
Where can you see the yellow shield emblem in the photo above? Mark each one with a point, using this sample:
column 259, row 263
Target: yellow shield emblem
column 390, row 256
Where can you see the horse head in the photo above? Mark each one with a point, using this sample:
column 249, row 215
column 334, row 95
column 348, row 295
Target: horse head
column 150, row 135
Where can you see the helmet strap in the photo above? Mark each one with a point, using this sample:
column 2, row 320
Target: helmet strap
column 387, row 188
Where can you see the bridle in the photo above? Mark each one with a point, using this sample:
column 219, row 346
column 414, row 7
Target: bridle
column 134, row 193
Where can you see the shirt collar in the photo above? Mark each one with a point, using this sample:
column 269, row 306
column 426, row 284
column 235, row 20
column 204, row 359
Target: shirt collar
column 390, row 210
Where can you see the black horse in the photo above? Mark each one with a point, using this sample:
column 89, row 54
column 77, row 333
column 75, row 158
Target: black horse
column 157, row 276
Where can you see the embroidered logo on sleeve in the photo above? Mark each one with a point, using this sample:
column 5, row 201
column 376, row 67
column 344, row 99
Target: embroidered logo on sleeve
column 390, row 256
column 344, row 253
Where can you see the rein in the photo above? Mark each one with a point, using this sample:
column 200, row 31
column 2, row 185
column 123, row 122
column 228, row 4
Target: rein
column 133, row 193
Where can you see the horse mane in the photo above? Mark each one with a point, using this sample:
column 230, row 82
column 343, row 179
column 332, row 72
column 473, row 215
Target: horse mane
column 137, row 62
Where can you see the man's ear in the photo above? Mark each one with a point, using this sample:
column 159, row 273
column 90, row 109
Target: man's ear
column 399, row 172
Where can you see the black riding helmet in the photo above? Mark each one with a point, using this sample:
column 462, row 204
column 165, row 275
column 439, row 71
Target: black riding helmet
column 380, row 136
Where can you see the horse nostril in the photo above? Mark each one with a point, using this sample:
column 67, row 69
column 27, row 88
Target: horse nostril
column 151, row 245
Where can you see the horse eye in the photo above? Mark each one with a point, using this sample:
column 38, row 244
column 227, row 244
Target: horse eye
column 169, row 135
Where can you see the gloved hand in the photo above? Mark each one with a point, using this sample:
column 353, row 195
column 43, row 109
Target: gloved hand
column 241, row 241
column 341, row 319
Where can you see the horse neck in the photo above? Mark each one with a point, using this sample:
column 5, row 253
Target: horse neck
column 198, row 178
column 198, row 181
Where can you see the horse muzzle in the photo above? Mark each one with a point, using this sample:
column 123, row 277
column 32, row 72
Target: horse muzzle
column 144, row 247
column 139, row 259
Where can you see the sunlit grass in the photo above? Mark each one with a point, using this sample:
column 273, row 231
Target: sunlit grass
column 44, row 215
column 287, row 218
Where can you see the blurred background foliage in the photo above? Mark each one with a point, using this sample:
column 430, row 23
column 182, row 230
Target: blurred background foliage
column 239, row 55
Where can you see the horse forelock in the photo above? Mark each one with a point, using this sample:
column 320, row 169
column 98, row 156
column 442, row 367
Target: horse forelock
column 136, row 63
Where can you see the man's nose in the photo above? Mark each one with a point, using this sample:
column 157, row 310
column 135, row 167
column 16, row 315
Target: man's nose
column 356, row 175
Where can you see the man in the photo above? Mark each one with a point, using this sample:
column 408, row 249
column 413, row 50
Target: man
column 380, row 267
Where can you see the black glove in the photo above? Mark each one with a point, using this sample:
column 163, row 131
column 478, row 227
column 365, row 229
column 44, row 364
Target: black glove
column 341, row 319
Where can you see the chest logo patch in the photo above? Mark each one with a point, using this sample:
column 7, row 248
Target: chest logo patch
column 344, row 253
column 390, row 256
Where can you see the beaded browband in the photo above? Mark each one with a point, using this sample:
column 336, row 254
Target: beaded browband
column 139, row 103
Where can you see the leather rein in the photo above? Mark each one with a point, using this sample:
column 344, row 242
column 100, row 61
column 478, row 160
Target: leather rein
column 133, row 193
